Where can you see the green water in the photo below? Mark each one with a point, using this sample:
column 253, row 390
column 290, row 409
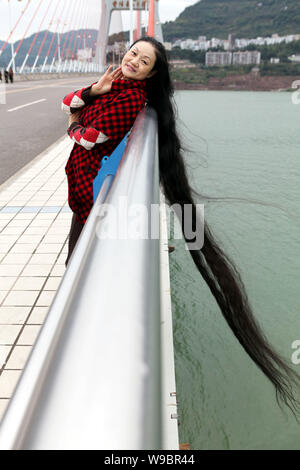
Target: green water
column 247, row 145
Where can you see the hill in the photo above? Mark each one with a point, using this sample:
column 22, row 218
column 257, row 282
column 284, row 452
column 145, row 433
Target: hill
column 244, row 18
column 69, row 43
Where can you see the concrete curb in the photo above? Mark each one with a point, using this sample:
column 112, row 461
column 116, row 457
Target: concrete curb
column 35, row 159
column 49, row 76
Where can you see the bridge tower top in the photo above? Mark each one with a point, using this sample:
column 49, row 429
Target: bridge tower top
column 108, row 6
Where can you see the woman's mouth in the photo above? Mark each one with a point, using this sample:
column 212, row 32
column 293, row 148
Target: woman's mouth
column 130, row 68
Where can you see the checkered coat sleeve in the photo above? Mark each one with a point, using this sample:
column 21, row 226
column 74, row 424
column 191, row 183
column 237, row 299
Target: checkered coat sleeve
column 76, row 100
column 103, row 122
column 113, row 123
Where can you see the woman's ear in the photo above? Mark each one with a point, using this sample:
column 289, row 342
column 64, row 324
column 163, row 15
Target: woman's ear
column 151, row 74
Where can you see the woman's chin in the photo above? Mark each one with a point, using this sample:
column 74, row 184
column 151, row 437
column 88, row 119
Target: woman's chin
column 127, row 74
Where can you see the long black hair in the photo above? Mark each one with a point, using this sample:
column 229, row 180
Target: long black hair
column 216, row 268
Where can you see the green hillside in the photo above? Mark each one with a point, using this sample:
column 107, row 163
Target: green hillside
column 69, row 43
column 244, row 18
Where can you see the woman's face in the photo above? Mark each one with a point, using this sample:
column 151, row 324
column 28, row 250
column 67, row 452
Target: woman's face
column 138, row 62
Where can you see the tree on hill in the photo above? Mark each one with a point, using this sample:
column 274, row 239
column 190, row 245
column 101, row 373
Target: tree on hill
column 244, row 18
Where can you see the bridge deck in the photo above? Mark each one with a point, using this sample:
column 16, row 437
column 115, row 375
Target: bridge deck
column 34, row 226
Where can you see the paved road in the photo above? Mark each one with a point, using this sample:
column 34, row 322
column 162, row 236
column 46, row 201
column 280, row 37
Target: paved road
column 28, row 130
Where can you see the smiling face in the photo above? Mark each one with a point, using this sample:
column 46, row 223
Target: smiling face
column 138, row 62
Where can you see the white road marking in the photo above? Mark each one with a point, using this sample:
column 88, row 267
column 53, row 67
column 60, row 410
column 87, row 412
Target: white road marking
column 27, row 86
column 27, row 104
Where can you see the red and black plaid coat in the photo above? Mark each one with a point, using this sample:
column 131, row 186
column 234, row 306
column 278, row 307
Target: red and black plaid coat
column 104, row 121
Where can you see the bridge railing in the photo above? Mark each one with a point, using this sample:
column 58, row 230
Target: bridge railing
column 95, row 378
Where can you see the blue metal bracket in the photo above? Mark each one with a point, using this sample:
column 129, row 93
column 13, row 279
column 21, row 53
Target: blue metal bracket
column 109, row 166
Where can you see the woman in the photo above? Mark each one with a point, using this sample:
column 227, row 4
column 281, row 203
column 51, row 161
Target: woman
column 108, row 111
column 146, row 63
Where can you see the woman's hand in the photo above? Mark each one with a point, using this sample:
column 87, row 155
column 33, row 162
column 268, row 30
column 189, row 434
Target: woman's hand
column 74, row 117
column 105, row 82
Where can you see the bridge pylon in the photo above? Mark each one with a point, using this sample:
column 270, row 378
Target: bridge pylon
column 154, row 26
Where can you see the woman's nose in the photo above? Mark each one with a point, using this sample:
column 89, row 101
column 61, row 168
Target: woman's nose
column 135, row 61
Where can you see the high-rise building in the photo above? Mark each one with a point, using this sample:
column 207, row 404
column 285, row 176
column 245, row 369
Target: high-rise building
column 231, row 41
column 218, row 58
column 246, row 57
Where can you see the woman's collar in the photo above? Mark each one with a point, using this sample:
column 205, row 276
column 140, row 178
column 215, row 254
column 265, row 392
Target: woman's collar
column 118, row 85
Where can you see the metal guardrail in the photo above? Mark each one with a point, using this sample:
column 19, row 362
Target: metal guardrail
column 93, row 379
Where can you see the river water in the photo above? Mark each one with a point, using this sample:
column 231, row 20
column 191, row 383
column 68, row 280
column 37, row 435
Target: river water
column 247, row 145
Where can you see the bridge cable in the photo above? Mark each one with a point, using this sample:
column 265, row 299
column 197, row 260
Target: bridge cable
column 45, row 37
column 35, row 36
column 82, row 43
column 81, row 12
column 68, row 54
column 68, row 33
column 26, row 31
column 53, row 37
column 12, row 31
column 60, row 55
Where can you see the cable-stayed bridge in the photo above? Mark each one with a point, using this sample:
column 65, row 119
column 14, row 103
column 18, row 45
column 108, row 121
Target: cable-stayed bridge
column 101, row 371
column 56, row 37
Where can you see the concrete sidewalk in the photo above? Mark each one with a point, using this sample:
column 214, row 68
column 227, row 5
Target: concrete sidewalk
column 34, row 225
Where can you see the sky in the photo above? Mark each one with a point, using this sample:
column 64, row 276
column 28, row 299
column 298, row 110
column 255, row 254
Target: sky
column 10, row 11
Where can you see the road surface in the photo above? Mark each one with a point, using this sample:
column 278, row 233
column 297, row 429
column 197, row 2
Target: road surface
column 31, row 119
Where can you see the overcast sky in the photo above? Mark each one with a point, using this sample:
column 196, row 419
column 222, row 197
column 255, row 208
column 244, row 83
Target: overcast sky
column 10, row 11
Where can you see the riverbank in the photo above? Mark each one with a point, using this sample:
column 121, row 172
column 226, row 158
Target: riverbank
column 246, row 82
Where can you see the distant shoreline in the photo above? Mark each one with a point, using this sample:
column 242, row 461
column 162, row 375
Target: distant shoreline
column 247, row 82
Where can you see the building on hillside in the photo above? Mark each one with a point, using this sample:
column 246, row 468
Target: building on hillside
column 240, row 43
column 84, row 55
column 168, row 46
column 188, row 44
column 218, row 58
column 203, row 45
column 182, row 64
column 246, row 58
column 215, row 42
column 294, row 58
column 289, row 38
column 231, row 41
